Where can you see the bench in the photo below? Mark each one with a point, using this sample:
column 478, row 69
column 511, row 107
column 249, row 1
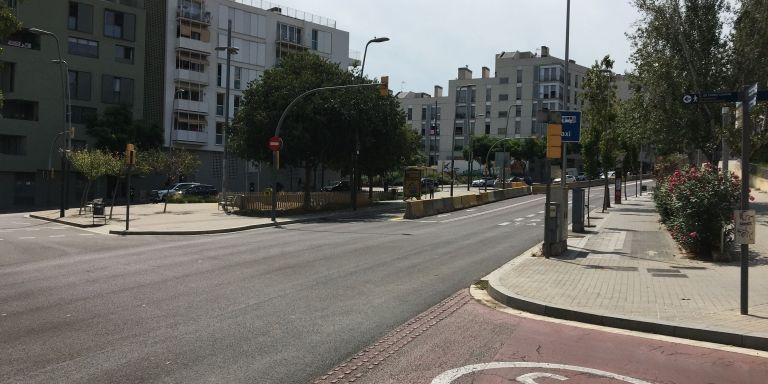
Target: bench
column 228, row 203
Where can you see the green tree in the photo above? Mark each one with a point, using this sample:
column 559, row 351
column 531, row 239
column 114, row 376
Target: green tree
column 8, row 25
column 93, row 164
column 171, row 164
column 599, row 136
column 115, row 128
column 678, row 48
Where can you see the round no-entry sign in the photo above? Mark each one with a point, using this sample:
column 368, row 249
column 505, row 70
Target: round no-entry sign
column 275, row 143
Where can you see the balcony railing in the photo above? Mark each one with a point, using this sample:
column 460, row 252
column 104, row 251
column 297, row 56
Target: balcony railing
column 194, row 14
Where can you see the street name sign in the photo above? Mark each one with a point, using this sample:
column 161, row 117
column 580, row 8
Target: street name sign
column 711, row 97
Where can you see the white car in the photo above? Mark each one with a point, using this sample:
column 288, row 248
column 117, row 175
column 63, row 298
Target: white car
column 568, row 179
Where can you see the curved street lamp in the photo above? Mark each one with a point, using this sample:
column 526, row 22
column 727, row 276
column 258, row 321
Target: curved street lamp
column 374, row 40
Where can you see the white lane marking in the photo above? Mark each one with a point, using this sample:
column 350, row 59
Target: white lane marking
column 18, row 223
column 427, row 221
column 56, row 236
column 444, row 215
column 449, row 376
column 531, row 224
column 531, row 215
column 505, row 223
column 540, row 212
column 519, row 219
column 493, row 210
column 536, row 220
column 471, row 210
column 27, row 238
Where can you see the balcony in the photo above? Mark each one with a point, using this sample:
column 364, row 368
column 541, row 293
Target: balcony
column 194, row 45
column 190, row 137
column 193, row 76
column 191, row 105
column 194, row 14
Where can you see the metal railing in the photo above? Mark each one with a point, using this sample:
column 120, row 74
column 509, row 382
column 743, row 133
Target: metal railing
column 290, row 12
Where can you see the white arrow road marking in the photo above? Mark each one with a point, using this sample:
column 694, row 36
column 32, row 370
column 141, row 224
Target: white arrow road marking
column 536, row 220
column 449, row 376
column 651, row 253
column 531, row 224
column 504, row 223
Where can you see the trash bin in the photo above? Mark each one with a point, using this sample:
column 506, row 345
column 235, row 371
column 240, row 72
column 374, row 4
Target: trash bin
column 98, row 209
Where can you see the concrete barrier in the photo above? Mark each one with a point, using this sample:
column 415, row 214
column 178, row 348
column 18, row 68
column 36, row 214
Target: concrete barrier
column 438, row 205
column 458, row 203
column 420, row 208
column 414, row 209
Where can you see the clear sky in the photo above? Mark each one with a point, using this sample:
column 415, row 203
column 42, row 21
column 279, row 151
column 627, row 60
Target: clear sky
column 431, row 39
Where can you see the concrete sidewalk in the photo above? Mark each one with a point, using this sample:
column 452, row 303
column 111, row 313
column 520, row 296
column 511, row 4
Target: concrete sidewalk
column 198, row 219
column 627, row 272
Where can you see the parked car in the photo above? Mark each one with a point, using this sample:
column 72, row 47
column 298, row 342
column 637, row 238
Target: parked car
column 568, row 179
column 204, row 190
column 426, row 183
column 581, row 177
column 337, row 186
column 157, row 195
column 478, row 183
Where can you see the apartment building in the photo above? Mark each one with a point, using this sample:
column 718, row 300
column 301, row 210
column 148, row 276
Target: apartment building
column 102, row 43
column 502, row 105
column 189, row 100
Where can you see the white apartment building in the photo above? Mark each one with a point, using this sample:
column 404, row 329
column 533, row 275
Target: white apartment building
column 504, row 105
column 194, row 74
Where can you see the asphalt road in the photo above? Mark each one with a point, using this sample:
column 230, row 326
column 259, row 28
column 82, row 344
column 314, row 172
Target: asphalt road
column 276, row 305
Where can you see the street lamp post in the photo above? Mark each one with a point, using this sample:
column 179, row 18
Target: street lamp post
column 230, row 51
column 453, row 140
column 67, row 119
column 504, row 166
column 356, row 154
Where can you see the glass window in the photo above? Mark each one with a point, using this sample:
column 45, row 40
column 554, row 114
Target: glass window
column 236, row 104
column 20, row 110
column 119, row 25
column 219, row 104
column 13, row 145
column 80, row 17
column 487, row 129
column 116, row 90
column 423, row 113
column 191, row 61
column 7, row 75
column 504, row 80
column 314, row 39
column 410, row 113
column 218, row 75
column 503, row 97
column 289, row 33
column 79, row 85
column 123, row 54
column 518, row 123
column 81, row 115
column 488, row 94
column 219, row 134
column 519, row 75
column 518, row 92
column 502, row 113
column 83, row 47
column 518, row 110
column 238, row 77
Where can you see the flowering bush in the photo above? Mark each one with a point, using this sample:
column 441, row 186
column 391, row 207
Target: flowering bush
column 695, row 205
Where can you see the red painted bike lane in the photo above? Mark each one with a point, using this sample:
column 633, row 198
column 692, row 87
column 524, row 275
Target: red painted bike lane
column 461, row 341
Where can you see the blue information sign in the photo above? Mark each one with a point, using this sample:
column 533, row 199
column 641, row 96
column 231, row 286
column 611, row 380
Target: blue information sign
column 571, row 121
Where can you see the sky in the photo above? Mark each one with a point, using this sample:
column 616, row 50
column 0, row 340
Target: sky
column 431, row 39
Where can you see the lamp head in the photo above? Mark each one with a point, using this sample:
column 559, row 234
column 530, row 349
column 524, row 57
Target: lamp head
column 379, row 39
column 40, row 31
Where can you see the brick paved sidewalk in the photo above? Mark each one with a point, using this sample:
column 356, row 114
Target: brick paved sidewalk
column 628, row 267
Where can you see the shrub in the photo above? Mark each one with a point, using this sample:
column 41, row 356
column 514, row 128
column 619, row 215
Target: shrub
column 695, row 205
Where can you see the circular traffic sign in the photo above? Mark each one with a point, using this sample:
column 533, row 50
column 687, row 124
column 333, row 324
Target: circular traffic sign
column 275, row 143
column 687, row 99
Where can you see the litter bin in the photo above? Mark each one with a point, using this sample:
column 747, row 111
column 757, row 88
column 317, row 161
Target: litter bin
column 98, row 209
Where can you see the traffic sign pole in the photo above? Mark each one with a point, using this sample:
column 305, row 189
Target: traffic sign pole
column 745, row 150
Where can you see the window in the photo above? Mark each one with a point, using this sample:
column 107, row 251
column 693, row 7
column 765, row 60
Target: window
column 79, row 85
column 12, row 4
column 20, row 110
column 502, row 114
column 13, row 145
column 219, row 133
column 219, row 104
column 315, row 43
column 191, row 61
column 116, row 90
column 236, row 104
column 186, row 121
column 488, row 94
column 550, row 74
column 518, row 110
column 80, row 17
column 83, row 47
column 487, row 129
column 123, row 54
column 218, row 75
column 193, row 31
column 119, row 25
column 423, row 113
column 410, row 113
column 488, row 110
column 458, row 130
column 504, row 80
column 7, row 74
column 238, row 78
column 289, row 33
column 518, row 92
column 501, row 131
column 81, row 115
column 518, row 123
column 503, row 97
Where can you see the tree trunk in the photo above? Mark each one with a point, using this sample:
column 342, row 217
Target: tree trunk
column 84, row 197
column 607, row 196
column 114, row 196
column 307, row 195
column 167, row 195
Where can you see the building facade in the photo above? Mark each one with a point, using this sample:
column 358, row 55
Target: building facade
column 102, row 43
column 194, row 73
column 502, row 105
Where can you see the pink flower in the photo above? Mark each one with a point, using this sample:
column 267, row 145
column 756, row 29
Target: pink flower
column 693, row 234
column 751, row 198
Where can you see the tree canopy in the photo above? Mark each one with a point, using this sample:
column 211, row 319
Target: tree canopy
column 598, row 137
column 115, row 128
column 8, row 25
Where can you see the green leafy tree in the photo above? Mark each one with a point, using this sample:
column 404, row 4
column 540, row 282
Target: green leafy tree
column 115, row 128
column 678, row 48
column 171, row 164
column 93, row 164
column 599, row 136
column 8, row 25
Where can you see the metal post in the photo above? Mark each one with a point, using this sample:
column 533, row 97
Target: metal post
column 564, row 210
column 726, row 152
column 275, row 169
column 226, row 115
column 745, row 152
column 128, row 198
column 469, row 132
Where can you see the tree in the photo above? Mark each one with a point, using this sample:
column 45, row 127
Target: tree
column 171, row 164
column 482, row 144
column 679, row 48
column 115, row 128
column 748, row 39
column 323, row 127
column 93, row 164
column 598, row 140
column 8, row 25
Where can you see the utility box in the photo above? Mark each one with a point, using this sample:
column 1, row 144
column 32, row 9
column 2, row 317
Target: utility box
column 553, row 240
column 578, row 209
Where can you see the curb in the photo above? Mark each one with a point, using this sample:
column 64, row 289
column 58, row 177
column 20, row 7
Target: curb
column 714, row 335
column 59, row 221
column 245, row 227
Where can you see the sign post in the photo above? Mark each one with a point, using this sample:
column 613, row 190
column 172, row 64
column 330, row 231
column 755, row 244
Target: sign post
column 749, row 96
column 275, row 144
column 130, row 160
